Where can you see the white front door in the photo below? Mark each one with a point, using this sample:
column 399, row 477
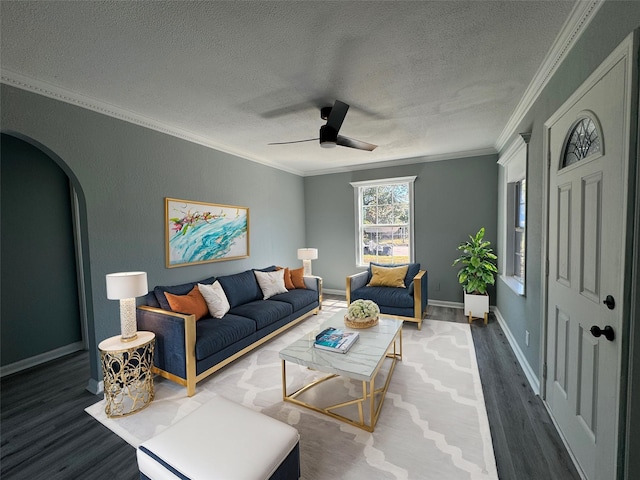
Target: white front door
column 588, row 154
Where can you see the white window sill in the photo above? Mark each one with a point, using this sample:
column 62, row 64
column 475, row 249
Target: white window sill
column 513, row 284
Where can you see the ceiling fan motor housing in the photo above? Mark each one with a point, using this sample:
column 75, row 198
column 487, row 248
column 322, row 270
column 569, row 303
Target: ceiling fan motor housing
column 328, row 137
column 325, row 112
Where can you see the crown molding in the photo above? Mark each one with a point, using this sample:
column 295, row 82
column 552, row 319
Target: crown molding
column 581, row 15
column 406, row 161
column 520, row 142
column 45, row 89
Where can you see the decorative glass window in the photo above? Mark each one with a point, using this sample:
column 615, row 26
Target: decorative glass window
column 384, row 215
column 583, row 141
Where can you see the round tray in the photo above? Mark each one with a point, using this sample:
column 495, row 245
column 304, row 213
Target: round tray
column 364, row 323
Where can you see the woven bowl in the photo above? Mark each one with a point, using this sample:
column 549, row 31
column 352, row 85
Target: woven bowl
column 361, row 323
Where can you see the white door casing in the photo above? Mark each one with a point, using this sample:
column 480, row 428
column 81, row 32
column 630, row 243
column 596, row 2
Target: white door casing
column 587, row 221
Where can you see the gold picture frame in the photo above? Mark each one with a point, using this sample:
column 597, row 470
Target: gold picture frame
column 200, row 232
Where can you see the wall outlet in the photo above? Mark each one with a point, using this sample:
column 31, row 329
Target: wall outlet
column 526, row 337
column 437, row 287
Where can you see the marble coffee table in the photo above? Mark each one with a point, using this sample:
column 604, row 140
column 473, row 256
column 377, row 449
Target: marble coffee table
column 361, row 363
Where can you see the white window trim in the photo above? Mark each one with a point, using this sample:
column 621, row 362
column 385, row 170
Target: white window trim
column 514, row 162
column 358, row 210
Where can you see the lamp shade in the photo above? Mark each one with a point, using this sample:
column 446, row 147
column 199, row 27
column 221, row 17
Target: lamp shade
column 126, row 285
column 307, row 253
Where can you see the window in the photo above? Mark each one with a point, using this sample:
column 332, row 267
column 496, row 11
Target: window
column 583, row 140
column 520, row 221
column 384, row 216
column 513, row 218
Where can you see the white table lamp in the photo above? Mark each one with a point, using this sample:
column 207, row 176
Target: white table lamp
column 126, row 286
column 306, row 255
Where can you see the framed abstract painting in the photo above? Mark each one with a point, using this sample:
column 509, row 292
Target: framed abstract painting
column 198, row 232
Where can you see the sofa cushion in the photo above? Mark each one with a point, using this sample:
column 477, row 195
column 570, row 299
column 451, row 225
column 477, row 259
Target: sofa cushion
column 388, row 276
column 385, row 296
column 412, row 271
column 181, row 289
column 271, row 283
column 151, row 300
column 216, row 299
column 297, row 277
column 241, row 288
column 215, row 334
column 263, row 312
column 298, row 298
column 271, row 268
column 192, row 303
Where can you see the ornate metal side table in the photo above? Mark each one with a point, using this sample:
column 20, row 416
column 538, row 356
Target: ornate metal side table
column 128, row 379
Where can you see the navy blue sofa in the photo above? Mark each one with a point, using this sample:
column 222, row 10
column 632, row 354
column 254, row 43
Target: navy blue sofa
column 187, row 351
column 408, row 303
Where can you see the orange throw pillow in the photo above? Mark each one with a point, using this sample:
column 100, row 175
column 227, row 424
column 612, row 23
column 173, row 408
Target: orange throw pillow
column 297, row 277
column 192, row 303
column 288, row 284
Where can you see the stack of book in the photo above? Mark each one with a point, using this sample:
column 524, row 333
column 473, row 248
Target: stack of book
column 335, row 340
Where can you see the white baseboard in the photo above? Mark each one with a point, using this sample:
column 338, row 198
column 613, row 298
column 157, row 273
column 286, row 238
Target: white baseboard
column 333, row 291
column 39, row 359
column 444, row 303
column 529, row 372
column 436, row 303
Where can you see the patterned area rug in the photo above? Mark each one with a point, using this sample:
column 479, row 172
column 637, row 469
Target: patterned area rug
column 433, row 422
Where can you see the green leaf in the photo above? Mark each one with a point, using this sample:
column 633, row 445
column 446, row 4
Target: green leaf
column 478, row 262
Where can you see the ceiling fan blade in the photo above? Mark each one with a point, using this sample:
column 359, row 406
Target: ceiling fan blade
column 353, row 143
column 295, row 141
column 336, row 117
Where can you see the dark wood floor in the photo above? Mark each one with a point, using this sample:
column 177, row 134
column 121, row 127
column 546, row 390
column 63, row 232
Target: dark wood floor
column 525, row 441
column 45, row 433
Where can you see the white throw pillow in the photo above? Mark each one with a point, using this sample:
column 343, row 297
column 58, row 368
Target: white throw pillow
column 271, row 283
column 216, row 299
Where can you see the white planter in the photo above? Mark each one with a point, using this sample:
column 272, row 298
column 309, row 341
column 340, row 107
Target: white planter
column 476, row 306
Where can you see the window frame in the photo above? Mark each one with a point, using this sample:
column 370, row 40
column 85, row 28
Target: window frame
column 359, row 226
column 519, row 229
column 514, row 162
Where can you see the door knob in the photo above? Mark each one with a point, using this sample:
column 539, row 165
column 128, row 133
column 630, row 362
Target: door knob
column 609, row 302
column 607, row 331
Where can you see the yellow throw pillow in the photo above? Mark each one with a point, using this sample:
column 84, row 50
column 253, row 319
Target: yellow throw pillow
column 388, row 276
column 192, row 303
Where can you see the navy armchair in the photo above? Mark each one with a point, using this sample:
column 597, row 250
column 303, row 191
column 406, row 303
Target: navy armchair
column 407, row 303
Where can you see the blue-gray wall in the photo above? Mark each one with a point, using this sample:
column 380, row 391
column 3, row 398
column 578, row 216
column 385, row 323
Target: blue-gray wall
column 612, row 24
column 123, row 172
column 453, row 199
column 40, row 309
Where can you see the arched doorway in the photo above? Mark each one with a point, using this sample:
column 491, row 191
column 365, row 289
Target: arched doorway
column 44, row 308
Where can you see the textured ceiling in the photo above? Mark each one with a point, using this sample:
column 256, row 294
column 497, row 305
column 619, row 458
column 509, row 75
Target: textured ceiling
column 424, row 79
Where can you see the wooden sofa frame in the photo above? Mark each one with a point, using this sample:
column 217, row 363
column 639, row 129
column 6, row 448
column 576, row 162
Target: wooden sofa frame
column 190, row 348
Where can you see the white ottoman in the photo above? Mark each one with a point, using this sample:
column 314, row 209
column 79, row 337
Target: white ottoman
column 224, row 441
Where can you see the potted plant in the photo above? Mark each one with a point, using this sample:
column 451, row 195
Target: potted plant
column 478, row 272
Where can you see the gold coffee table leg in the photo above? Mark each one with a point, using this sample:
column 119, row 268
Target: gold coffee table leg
column 369, row 392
